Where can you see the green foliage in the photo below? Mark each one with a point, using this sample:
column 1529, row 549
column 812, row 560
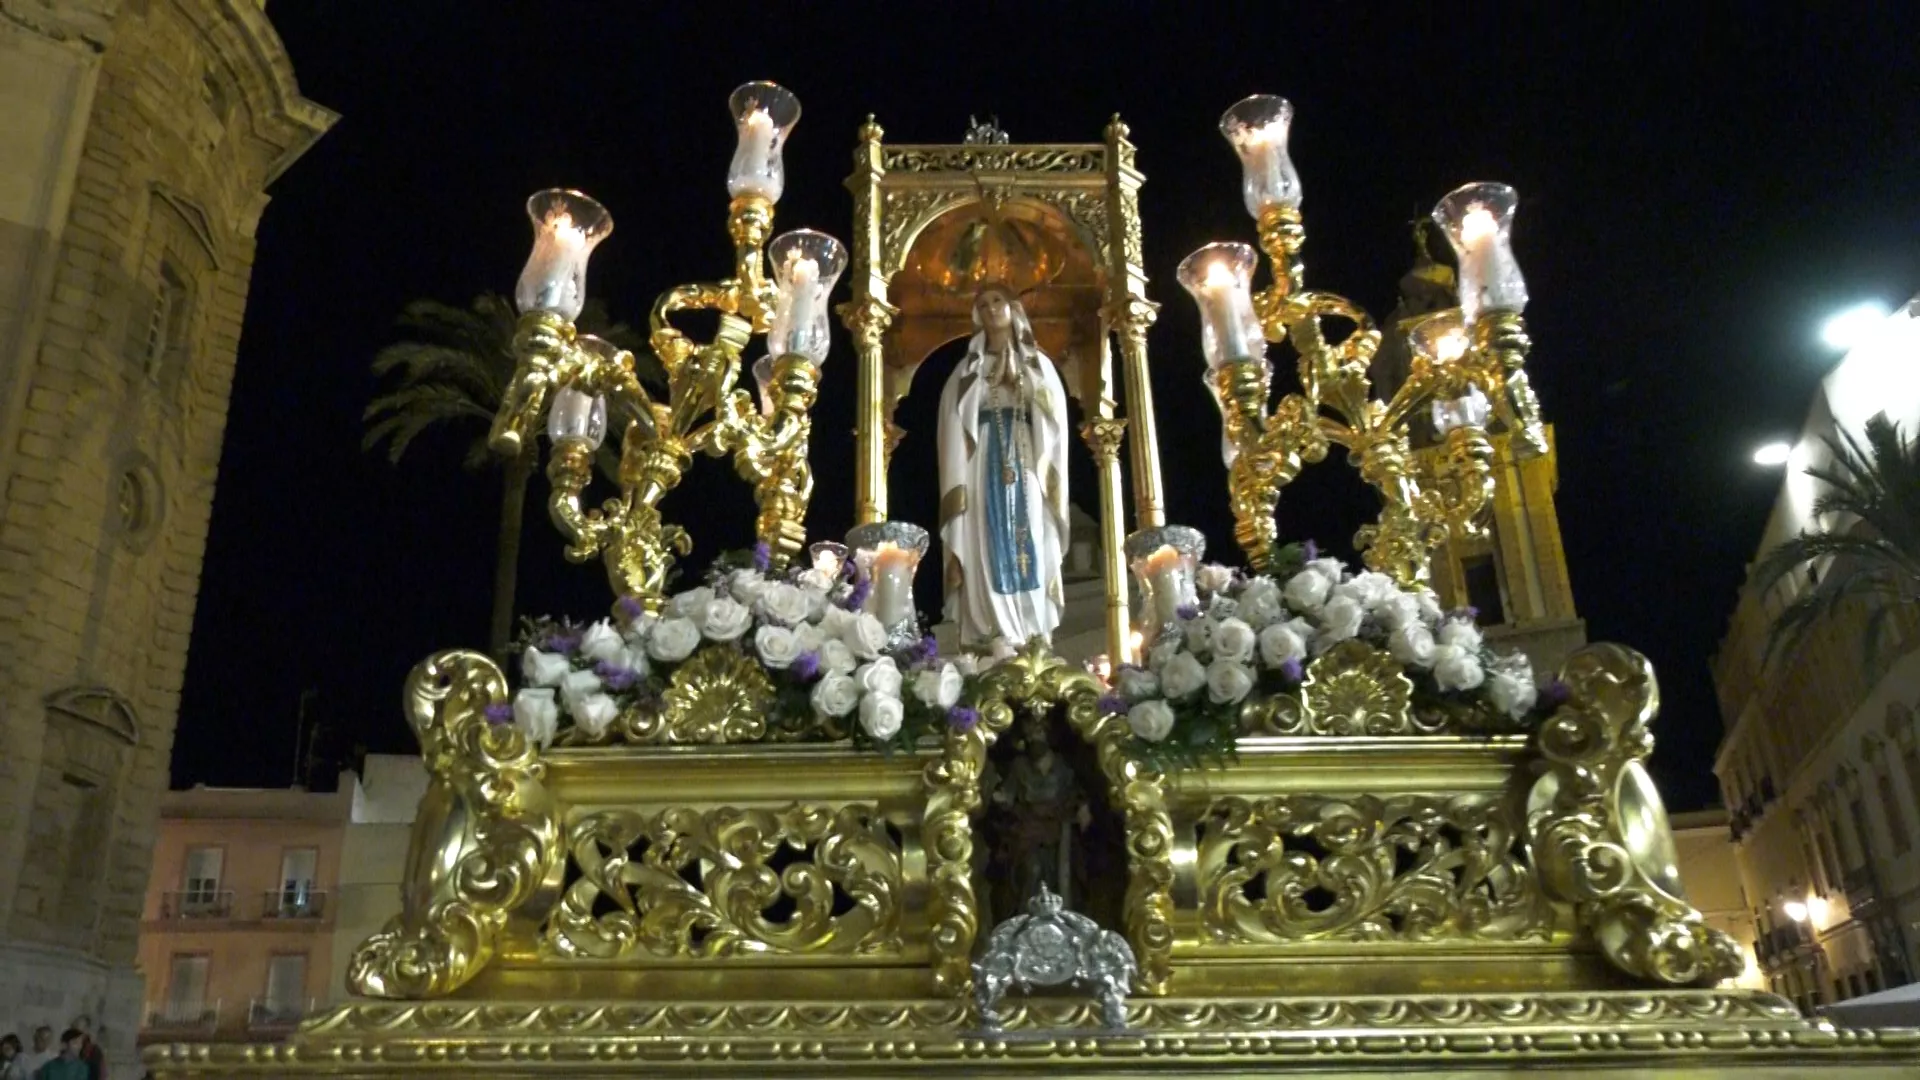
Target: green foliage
column 1871, row 551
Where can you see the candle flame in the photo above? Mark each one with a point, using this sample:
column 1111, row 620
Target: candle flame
column 1220, row 275
column 759, row 119
column 1478, row 226
column 1273, row 132
column 1450, row 346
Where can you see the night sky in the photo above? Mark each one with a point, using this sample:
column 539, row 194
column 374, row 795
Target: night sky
column 1697, row 191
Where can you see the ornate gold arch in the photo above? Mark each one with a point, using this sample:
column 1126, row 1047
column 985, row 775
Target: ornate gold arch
column 1085, row 195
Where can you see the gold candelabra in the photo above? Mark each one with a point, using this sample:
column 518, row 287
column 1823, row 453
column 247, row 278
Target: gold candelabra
column 1468, row 365
column 578, row 381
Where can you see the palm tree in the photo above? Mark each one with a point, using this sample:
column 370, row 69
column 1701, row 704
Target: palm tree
column 454, row 364
column 1873, row 551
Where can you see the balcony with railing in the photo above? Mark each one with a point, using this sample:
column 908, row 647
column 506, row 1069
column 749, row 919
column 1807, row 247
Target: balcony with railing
column 184, row 1017
column 1861, row 889
column 268, row 1016
column 197, row 904
column 293, row 904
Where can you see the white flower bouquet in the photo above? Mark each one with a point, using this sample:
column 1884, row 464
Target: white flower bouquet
column 825, row 656
column 1253, row 636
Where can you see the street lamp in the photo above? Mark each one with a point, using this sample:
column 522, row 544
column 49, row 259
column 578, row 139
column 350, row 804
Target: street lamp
column 1849, row 328
column 1795, row 910
column 1772, row 454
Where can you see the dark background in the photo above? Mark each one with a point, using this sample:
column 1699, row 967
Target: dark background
column 1698, row 190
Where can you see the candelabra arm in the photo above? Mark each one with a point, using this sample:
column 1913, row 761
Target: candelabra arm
column 546, row 359
column 1462, row 483
column 771, row 452
column 570, row 469
column 1499, row 355
column 750, row 224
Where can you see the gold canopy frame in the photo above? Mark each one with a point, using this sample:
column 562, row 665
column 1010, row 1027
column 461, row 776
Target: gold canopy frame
column 1080, row 204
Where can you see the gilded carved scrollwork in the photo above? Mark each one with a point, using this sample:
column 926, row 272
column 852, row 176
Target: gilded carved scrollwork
column 1356, row 689
column 486, row 844
column 1598, row 833
column 1035, row 679
column 690, row 883
column 1406, row 867
column 1000, row 158
column 904, row 212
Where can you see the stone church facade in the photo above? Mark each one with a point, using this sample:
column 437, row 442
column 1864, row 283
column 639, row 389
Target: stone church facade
column 137, row 138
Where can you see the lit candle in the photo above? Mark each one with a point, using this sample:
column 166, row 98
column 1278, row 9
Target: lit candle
column 753, row 161
column 893, row 584
column 1166, row 576
column 1219, row 294
column 1269, row 174
column 1479, row 253
column 803, row 290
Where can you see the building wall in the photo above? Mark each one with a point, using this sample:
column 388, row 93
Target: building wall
column 1819, row 759
column 374, row 855
column 139, row 136
column 1712, row 875
column 253, row 829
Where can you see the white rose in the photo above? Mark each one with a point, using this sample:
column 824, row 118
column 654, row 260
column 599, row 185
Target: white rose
column 880, row 677
column 1199, row 633
column 938, row 688
column 1307, row 590
column 1412, row 644
column 865, row 636
column 634, row 660
column 967, row 664
column 1511, row 693
column 1280, row 643
column 1151, row 720
column 692, row 603
column 536, row 715
column 1370, row 588
column 784, row 604
column 1182, row 675
column 1455, row 668
column 1234, row 640
column 1137, row 684
column 1260, row 603
column 673, row 640
column 593, row 713
column 880, row 715
column 1339, row 620
column 638, row 629
column 726, row 619
column 1329, row 568
column 1222, row 607
column 835, row 695
column 1429, row 606
column 835, row 620
column 1163, row 650
column 778, row 646
column 1459, row 633
column 543, row 668
column 814, row 579
column 1397, row 611
column 1228, row 682
column 1212, row 578
column 746, row 585
column 602, row 642
column 835, row 657
column 575, row 687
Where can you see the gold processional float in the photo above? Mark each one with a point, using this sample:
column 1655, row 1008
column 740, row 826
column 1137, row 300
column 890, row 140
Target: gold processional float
column 760, row 827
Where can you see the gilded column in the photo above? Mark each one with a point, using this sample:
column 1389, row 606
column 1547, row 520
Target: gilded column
column 1129, row 313
column 1103, row 434
column 867, row 317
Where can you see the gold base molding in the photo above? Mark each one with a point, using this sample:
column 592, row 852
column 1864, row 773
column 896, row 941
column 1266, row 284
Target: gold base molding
column 1665, row 1033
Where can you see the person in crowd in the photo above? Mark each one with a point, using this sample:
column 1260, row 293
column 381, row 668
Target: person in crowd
column 68, row 1065
column 10, row 1058
column 43, row 1051
column 90, row 1053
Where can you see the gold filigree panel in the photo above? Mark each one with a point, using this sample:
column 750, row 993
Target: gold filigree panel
column 691, row 883
column 1409, row 868
column 985, row 158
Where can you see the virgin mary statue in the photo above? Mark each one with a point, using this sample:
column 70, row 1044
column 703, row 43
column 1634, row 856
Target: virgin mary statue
column 1003, row 482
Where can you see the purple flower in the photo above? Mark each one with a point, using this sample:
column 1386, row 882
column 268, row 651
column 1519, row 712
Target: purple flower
column 616, row 677
column 1292, row 670
column 1468, row 613
column 849, row 569
column 1555, row 694
column 559, row 642
column 499, row 713
column 762, row 557
column 963, row 718
column 856, row 599
column 1187, row 611
column 1311, row 550
column 929, row 649
column 630, row 608
column 806, row 666
column 1113, row 704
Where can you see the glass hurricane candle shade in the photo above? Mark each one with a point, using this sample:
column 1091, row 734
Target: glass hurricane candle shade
column 806, row 264
column 575, row 414
column 1257, row 128
column 1468, row 410
column 566, row 227
column 888, row 553
column 763, row 113
column 1478, row 221
column 763, row 378
column 1220, row 279
column 1163, row 562
column 1440, row 338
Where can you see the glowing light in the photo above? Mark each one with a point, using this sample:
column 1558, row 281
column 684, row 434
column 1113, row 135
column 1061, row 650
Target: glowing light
column 1773, row 454
column 1817, row 909
column 1220, row 275
column 1854, row 325
column 1795, row 910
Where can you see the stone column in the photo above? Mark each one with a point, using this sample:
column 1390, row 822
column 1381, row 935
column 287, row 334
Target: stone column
column 1103, row 435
